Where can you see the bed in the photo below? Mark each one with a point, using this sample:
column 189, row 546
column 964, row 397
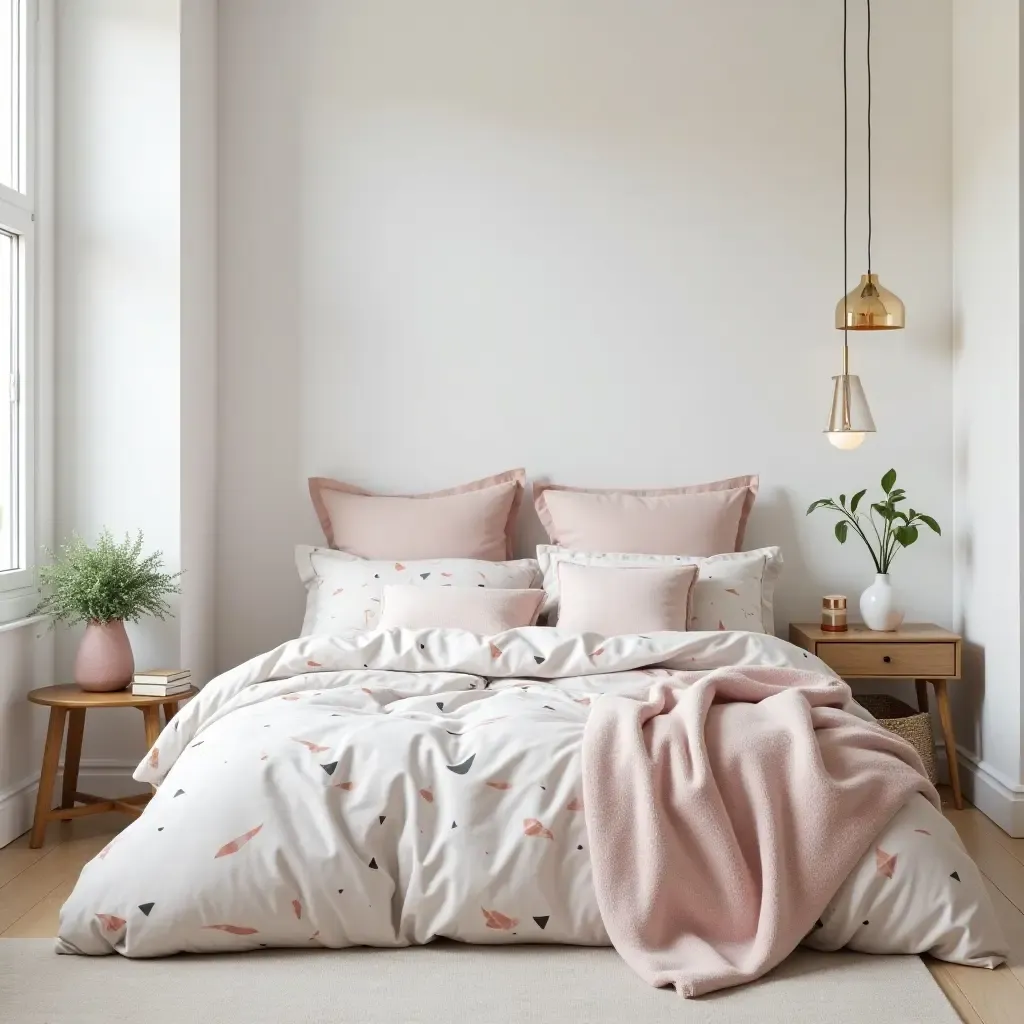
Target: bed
column 653, row 769
column 389, row 787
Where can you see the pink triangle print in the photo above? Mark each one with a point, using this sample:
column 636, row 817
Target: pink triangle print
column 885, row 863
column 236, row 844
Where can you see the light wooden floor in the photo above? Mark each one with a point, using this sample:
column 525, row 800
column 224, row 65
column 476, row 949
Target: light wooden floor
column 34, row 884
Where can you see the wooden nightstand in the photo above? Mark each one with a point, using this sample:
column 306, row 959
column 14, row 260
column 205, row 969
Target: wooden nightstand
column 918, row 651
column 71, row 703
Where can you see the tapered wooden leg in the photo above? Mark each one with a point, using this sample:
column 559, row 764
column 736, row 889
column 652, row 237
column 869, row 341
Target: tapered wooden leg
column 946, row 719
column 47, row 775
column 170, row 710
column 922, row 694
column 72, row 756
column 151, row 718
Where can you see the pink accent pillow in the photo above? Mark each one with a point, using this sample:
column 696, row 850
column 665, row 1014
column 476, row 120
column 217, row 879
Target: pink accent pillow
column 616, row 601
column 476, row 520
column 700, row 520
column 474, row 608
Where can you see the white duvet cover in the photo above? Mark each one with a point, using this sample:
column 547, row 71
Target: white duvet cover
column 392, row 787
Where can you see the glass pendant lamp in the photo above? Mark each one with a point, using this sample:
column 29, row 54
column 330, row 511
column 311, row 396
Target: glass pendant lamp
column 849, row 420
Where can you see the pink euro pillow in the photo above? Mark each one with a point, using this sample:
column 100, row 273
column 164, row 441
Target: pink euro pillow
column 475, row 520
column 698, row 520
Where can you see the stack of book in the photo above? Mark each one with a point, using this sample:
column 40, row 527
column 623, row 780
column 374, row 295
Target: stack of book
column 161, row 682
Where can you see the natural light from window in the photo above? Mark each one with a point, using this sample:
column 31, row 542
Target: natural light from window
column 17, row 215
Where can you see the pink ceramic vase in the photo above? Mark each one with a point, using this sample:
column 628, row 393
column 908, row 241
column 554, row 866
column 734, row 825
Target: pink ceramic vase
column 104, row 661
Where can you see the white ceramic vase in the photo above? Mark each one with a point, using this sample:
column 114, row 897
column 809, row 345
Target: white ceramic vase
column 879, row 606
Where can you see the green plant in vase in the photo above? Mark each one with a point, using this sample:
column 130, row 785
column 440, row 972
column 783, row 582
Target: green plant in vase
column 892, row 530
column 105, row 585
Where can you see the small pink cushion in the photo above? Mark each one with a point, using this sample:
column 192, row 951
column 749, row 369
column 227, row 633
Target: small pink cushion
column 476, row 520
column 477, row 609
column 699, row 520
column 615, row 601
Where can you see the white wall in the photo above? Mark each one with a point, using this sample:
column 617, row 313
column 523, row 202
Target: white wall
column 987, row 392
column 198, row 340
column 118, row 308
column 136, row 301
column 601, row 240
column 26, row 661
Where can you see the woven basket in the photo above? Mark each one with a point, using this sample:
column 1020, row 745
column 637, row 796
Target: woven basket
column 900, row 718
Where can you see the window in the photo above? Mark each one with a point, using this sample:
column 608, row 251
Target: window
column 17, row 311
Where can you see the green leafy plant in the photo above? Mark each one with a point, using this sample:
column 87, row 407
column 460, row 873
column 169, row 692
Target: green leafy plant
column 899, row 529
column 106, row 582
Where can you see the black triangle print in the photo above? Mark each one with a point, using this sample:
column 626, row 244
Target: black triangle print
column 461, row 769
column 146, row 908
column 542, row 922
column 955, row 875
column 423, row 647
column 819, row 923
column 373, row 863
column 549, row 707
column 424, row 575
column 540, row 661
column 340, row 891
column 180, row 792
column 440, row 705
column 454, row 825
column 160, row 829
column 381, row 818
column 329, row 768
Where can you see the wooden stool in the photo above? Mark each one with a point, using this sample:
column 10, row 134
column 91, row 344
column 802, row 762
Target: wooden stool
column 71, row 702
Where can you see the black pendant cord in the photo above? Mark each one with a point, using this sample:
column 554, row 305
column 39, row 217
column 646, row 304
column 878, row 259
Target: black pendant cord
column 868, row 2
column 846, row 197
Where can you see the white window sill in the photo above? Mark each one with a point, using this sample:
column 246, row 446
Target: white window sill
column 29, row 620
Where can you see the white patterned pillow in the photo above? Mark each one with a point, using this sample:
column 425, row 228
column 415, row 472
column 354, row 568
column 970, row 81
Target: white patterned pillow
column 344, row 592
column 732, row 591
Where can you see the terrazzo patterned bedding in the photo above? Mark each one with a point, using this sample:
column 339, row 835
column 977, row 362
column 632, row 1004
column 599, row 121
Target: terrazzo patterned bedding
column 387, row 788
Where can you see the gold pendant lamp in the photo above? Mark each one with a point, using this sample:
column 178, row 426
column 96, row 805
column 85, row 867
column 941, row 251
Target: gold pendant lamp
column 868, row 307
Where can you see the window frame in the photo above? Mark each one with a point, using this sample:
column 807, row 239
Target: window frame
column 19, row 209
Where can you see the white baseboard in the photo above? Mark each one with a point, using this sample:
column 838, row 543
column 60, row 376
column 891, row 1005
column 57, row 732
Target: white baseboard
column 103, row 777
column 995, row 795
column 17, row 805
column 106, row 777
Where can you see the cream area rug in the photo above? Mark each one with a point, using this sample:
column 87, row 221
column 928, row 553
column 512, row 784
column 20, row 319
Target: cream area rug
column 446, row 983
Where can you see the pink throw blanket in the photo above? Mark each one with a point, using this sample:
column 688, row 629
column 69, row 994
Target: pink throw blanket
column 724, row 816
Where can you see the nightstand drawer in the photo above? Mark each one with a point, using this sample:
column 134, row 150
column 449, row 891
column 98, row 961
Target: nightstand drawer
column 881, row 659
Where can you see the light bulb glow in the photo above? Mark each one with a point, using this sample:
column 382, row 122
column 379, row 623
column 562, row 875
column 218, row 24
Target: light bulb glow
column 846, row 440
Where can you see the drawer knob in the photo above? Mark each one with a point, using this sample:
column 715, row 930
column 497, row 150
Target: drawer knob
column 886, row 659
